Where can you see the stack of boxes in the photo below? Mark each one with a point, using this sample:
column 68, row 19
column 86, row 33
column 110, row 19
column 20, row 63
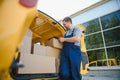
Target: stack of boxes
column 37, row 64
column 54, row 51
column 45, row 59
column 26, row 43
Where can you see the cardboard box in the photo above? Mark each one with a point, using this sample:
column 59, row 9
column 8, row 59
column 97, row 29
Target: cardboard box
column 35, row 64
column 54, row 43
column 57, row 65
column 52, row 52
column 39, row 50
column 26, row 43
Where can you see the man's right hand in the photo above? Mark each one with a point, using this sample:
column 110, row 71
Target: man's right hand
column 61, row 39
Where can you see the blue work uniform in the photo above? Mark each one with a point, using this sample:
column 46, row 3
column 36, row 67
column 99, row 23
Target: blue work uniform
column 70, row 61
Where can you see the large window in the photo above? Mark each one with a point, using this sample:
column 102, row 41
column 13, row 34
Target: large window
column 112, row 37
column 111, row 20
column 114, row 53
column 96, row 56
column 103, row 41
column 94, row 41
column 92, row 26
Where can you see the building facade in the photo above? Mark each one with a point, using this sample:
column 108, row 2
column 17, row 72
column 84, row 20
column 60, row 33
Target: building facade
column 102, row 37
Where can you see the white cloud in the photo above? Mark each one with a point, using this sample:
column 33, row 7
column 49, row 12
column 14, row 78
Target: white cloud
column 58, row 9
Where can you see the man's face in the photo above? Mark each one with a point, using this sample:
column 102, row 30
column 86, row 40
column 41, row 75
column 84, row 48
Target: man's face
column 67, row 25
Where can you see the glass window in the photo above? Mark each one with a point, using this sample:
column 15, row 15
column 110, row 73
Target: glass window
column 96, row 55
column 112, row 37
column 104, row 63
column 99, row 63
column 93, row 64
column 111, row 20
column 92, row 26
column 114, row 55
column 94, row 41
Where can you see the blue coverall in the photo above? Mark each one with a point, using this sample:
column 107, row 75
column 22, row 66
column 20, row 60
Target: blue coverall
column 70, row 61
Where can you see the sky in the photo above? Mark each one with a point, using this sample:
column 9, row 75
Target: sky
column 58, row 9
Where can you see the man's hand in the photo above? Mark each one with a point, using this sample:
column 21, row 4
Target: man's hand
column 71, row 39
column 62, row 39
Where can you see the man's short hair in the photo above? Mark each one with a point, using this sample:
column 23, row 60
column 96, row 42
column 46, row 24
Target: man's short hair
column 67, row 19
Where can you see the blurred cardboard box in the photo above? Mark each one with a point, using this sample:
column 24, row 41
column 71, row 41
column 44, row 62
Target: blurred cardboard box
column 54, row 43
column 57, row 65
column 52, row 52
column 34, row 64
column 26, row 43
column 39, row 49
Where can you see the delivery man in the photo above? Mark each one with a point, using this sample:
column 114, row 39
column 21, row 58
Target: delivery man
column 70, row 53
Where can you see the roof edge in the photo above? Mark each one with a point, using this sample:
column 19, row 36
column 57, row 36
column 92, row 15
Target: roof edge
column 89, row 8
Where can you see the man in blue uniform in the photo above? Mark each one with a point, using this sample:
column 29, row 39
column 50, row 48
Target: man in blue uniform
column 70, row 53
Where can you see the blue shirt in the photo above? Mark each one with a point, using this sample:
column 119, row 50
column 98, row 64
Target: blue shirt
column 77, row 31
